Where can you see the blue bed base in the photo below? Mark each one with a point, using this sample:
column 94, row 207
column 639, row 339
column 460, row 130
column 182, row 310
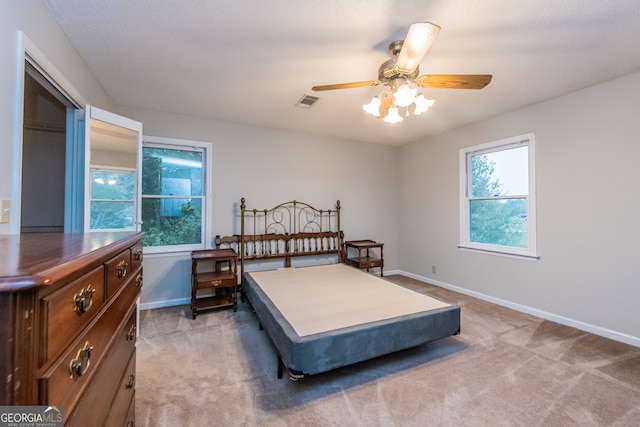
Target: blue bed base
column 325, row 351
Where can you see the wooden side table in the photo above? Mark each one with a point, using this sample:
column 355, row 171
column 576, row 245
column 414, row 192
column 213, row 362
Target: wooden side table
column 217, row 269
column 370, row 260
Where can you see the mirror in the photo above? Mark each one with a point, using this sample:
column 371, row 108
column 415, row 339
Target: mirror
column 112, row 172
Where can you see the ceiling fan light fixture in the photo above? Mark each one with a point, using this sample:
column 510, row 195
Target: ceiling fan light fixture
column 401, row 75
column 393, row 116
column 404, row 96
column 422, row 104
column 373, row 107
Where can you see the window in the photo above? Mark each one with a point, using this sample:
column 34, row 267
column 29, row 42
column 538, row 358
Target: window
column 113, row 199
column 497, row 197
column 174, row 194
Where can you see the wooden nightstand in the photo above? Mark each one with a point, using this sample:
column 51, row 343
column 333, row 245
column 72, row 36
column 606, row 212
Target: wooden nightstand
column 369, row 260
column 217, row 270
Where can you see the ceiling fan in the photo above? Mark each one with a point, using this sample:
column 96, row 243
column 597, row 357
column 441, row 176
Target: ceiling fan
column 403, row 68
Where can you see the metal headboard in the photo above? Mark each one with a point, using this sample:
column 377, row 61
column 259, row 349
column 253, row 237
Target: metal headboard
column 288, row 230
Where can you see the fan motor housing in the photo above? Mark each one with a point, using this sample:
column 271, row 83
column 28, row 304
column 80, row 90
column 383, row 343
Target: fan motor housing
column 388, row 72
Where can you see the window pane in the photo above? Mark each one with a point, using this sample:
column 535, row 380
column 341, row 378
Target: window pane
column 504, row 172
column 112, row 185
column 498, row 222
column 111, row 214
column 171, row 172
column 171, row 221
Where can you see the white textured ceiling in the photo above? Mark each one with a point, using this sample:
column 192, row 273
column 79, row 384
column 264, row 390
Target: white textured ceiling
column 250, row 61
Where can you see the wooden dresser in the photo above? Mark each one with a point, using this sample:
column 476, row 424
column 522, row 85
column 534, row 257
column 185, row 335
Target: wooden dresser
column 68, row 324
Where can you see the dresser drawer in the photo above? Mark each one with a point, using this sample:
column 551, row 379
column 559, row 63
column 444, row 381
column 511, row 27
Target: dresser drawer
column 118, row 271
column 65, row 313
column 57, row 385
column 131, row 414
column 136, row 256
column 120, row 406
column 109, row 394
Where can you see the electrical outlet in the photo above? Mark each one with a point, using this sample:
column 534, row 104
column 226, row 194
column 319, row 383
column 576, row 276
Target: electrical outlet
column 433, row 269
column 6, row 212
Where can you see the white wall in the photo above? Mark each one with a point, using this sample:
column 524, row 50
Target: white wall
column 588, row 188
column 33, row 19
column 267, row 167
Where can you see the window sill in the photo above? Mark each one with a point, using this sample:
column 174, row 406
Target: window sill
column 500, row 253
column 171, row 250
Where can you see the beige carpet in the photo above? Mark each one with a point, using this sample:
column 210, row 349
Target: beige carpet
column 505, row 369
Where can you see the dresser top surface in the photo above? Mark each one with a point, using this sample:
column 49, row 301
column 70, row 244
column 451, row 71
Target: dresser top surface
column 39, row 259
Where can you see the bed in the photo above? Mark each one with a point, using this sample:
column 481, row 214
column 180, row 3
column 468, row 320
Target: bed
column 322, row 317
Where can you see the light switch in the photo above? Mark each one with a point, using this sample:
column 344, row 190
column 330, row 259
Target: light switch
column 6, row 211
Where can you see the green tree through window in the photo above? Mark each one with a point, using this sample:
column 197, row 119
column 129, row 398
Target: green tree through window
column 172, row 196
column 494, row 220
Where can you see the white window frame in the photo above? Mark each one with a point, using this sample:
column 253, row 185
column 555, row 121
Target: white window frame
column 179, row 144
column 531, row 251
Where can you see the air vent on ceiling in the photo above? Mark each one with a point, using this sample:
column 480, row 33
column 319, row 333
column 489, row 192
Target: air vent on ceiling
column 307, row 101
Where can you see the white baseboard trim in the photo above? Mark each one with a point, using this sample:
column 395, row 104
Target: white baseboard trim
column 167, row 303
column 597, row 330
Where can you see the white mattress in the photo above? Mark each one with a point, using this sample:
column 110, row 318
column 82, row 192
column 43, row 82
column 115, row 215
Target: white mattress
column 328, row 297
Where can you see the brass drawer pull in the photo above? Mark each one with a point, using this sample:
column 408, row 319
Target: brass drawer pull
column 139, row 280
column 80, row 364
column 132, row 381
column 121, row 268
column 216, row 282
column 138, row 255
column 83, row 301
column 131, row 335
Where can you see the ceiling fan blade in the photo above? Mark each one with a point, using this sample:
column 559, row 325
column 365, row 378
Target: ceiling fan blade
column 454, row 81
column 347, row 85
column 419, row 39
